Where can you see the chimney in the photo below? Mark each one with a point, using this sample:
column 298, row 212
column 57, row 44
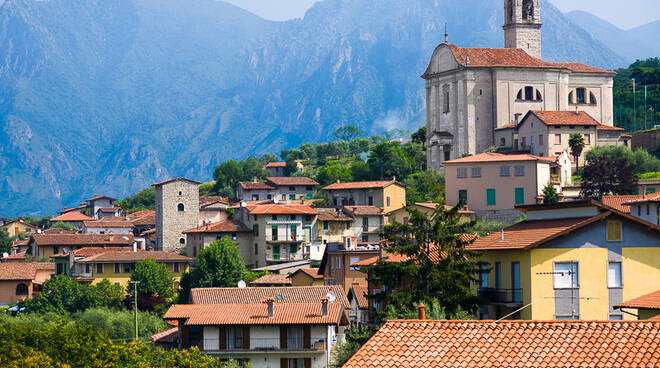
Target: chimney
column 502, row 235
column 421, row 311
column 324, row 306
column 394, row 178
column 271, row 307
column 517, row 118
column 338, row 181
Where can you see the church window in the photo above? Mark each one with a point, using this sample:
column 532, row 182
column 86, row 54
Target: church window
column 446, row 100
column 528, row 10
column 592, row 98
column 519, row 97
column 529, row 93
column 180, row 207
column 538, row 96
column 580, row 95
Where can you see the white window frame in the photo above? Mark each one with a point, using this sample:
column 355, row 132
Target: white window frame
column 610, row 283
column 505, row 170
column 475, row 172
column 574, row 280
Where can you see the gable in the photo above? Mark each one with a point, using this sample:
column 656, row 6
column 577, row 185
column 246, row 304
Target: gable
column 442, row 60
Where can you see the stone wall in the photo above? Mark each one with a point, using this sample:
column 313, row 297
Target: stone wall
column 170, row 220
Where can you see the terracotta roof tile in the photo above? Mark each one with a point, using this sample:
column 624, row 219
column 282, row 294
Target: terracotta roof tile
column 15, row 257
column 333, row 215
column 291, row 181
column 361, row 185
column 56, row 230
column 91, row 251
column 506, row 126
column 130, row 256
column 311, row 272
column 272, row 279
column 101, row 197
column 167, row 336
column 250, row 185
column 22, row 270
column 83, row 239
column 227, row 226
column 175, row 179
column 361, row 293
column 144, row 220
column 207, row 200
column 648, row 301
column 257, row 314
column 495, row 157
column 557, row 344
column 109, row 209
column 363, row 210
column 111, row 222
column 276, row 164
column 649, row 198
column 71, row 216
column 253, row 295
column 617, row 201
column 434, row 254
column 66, row 210
column 282, row 209
column 565, row 118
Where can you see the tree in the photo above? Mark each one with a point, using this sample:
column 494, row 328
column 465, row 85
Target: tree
column 355, row 338
column 59, row 295
column 388, row 160
column 226, row 175
column 218, row 265
column 576, row 144
column 155, row 279
column 143, row 200
column 360, row 171
column 5, row 241
column 103, row 294
column 641, row 160
column 419, row 136
column 347, row 133
column 436, row 262
column 267, row 158
column 329, row 174
column 549, row 194
column 425, row 186
column 603, row 176
column 63, row 226
column 417, row 153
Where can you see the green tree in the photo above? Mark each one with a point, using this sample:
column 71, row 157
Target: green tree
column 388, row 160
column 576, row 144
column 417, row 153
column 360, row 171
column 218, row 265
column 355, row 338
column 419, row 136
column 143, row 200
column 267, row 158
column 58, row 295
column 549, row 193
column 5, row 241
column 63, row 226
column 425, row 186
column 103, row 294
column 437, row 262
column 155, row 279
column 603, row 176
column 640, row 159
column 329, row 174
column 347, row 133
column 226, row 176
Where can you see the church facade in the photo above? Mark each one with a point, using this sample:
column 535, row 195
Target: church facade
column 472, row 92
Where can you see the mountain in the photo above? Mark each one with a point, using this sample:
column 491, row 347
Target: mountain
column 634, row 44
column 109, row 96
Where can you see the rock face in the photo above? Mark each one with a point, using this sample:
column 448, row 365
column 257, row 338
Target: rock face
column 109, row 96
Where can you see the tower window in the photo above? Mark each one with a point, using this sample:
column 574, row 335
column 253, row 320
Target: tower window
column 446, row 101
column 529, row 93
column 182, row 241
column 580, row 93
column 180, row 207
column 528, row 10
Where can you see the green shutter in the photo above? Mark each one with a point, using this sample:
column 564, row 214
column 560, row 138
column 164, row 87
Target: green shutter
column 520, row 195
column 650, row 191
column 292, row 197
column 463, row 195
column 293, row 249
column 490, row 197
column 276, row 252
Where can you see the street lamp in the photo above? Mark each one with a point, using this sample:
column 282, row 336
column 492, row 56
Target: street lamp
column 135, row 306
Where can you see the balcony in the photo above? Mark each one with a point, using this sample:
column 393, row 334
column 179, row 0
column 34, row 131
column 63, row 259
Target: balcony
column 265, row 345
column 284, row 254
column 504, row 297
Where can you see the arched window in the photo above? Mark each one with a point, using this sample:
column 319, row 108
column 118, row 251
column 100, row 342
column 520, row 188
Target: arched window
column 512, row 17
column 502, row 142
column 21, row 289
column 592, row 98
column 580, row 95
column 180, row 207
column 519, row 97
column 182, row 241
column 570, row 97
column 538, row 96
column 176, row 285
column 528, row 10
column 529, row 93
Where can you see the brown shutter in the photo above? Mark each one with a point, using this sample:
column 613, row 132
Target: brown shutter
column 308, row 362
column 284, row 363
column 246, row 337
column 283, row 337
column 223, row 338
column 184, row 335
column 307, row 336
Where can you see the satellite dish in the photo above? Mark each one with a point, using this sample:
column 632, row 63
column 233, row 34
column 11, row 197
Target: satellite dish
column 331, row 296
column 5, row 255
column 276, row 201
column 243, row 204
column 241, row 284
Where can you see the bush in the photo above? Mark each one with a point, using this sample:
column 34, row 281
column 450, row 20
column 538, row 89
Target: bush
column 120, row 325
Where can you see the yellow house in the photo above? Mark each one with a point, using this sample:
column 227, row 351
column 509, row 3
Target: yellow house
column 47, row 244
column 571, row 260
column 19, row 226
column 388, row 195
column 333, row 225
column 93, row 265
column 306, row 277
column 402, row 215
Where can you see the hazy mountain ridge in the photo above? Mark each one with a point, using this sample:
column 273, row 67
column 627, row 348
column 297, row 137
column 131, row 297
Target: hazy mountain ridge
column 110, row 96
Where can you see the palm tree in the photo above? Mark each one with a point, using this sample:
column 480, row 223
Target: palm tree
column 576, row 143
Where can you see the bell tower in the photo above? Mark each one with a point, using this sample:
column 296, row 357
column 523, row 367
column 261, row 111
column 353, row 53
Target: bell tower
column 522, row 26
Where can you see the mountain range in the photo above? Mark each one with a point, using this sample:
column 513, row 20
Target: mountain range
column 109, row 96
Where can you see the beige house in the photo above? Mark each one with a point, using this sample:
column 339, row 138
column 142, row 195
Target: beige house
column 21, row 280
column 202, row 236
column 19, row 226
column 277, row 188
column 492, row 184
column 470, row 92
column 212, row 209
column 385, row 194
column 367, row 223
column 333, row 225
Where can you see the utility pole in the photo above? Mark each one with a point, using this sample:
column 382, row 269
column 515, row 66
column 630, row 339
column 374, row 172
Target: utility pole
column 135, row 295
column 634, row 106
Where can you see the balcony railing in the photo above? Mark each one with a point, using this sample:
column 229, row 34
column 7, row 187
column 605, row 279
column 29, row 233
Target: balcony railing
column 501, row 296
column 285, row 255
column 265, row 344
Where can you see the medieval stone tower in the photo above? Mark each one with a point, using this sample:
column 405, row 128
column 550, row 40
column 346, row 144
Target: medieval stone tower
column 177, row 210
column 522, row 26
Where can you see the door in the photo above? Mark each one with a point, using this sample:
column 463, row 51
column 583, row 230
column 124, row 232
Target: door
column 276, row 252
column 520, row 195
column 515, row 282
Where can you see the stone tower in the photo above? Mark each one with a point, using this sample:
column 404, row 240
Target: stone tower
column 522, row 26
column 177, row 210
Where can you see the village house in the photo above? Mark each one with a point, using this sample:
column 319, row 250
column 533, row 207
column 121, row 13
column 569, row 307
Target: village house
column 142, row 221
column 108, row 225
column 360, row 314
column 646, row 207
column 19, row 226
column 388, row 195
column 212, row 209
column 202, row 236
column 367, row 223
column 278, row 169
column 306, row 277
column 272, row 279
column 21, row 280
column 42, row 246
column 402, row 215
column 569, row 260
column 338, row 263
column 647, row 306
column 333, row 224
column 277, row 188
column 73, row 218
column 102, row 206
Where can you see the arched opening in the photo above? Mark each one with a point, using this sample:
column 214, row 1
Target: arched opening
column 529, row 93
column 528, row 10
column 180, row 207
column 592, row 98
column 182, row 241
column 520, row 95
column 580, row 95
column 21, row 289
column 570, row 97
column 539, row 97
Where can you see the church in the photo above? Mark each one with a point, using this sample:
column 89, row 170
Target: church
column 473, row 94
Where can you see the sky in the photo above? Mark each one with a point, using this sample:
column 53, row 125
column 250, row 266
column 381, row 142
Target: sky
column 625, row 14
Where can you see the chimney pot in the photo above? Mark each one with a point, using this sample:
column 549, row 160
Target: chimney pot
column 271, row 307
column 324, row 306
column 421, row 311
column 502, row 237
column 338, row 181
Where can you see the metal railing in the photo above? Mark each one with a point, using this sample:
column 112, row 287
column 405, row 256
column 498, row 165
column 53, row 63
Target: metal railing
column 501, row 296
column 261, row 344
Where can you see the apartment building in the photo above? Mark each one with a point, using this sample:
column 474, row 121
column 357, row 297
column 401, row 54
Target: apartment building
column 277, row 188
column 388, row 195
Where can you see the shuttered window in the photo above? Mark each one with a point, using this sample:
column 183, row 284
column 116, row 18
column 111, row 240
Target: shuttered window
column 614, row 230
column 520, row 195
column 490, row 197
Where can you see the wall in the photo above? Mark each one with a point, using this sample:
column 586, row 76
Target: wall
column 506, row 258
column 8, row 291
column 647, row 211
column 397, row 195
column 648, row 140
column 123, row 277
column 170, row 223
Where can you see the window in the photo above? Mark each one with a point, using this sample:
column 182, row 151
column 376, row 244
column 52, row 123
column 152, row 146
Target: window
column 354, row 260
column 273, row 233
column 255, row 229
column 463, row 196
column 293, row 189
column 614, row 231
column 388, row 201
column 88, row 268
column 117, row 268
column 483, row 276
column 284, row 197
column 365, row 238
column 592, row 98
column 476, row 172
column 294, row 339
column 587, row 139
column 566, row 275
column 292, row 217
column 616, row 317
column 325, row 225
column 498, row 275
column 255, row 197
column 520, row 170
column 520, row 195
column 234, row 337
column 269, row 196
column 580, row 93
column 127, row 268
column 21, row 289
column 274, row 217
column 570, row 97
column 490, row 197
column 182, row 241
column 502, row 142
column 256, row 248
column 505, row 170
column 557, row 138
column 446, row 100
column 540, row 139
column 365, row 223
column 292, row 197
column 539, row 97
column 461, row 173
column 371, row 200
column 528, row 10
column 180, row 207
column 614, row 274
column 59, row 269
column 296, row 362
column 524, row 142
column 175, row 267
column 99, row 268
column 515, row 282
column 529, row 93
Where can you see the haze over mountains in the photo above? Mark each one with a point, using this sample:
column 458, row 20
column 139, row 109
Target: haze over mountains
column 109, row 96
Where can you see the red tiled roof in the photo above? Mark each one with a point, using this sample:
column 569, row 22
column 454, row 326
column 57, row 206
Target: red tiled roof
column 648, row 301
column 291, row 180
column 272, row 279
column 257, row 314
column 166, row 336
column 649, row 198
column 250, row 185
column 311, row 272
column 109, row 209
column 227, row 226
column 83, row 239
column 66, row 210
column 565, row 118
column 361, row 185
column 617, row 201
column 111, row 222
column 71, row 216
column 361, row 293
column 91, row 251
column 333, row 216
column 607, row 127
column 101, row 197
column 363, row 210
column 15, row 257
column 434, row 254
column 506, row 126
column 22, row 270
column 495, row 157
column 140, row 255
column 276, row 164
column 146, row 220
column 557, row 344
column 175, row 179
column 510, row 57
column 209, row 200
column 57, row 230
column 282, row 209
column 142, row 213
column 253, row 295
